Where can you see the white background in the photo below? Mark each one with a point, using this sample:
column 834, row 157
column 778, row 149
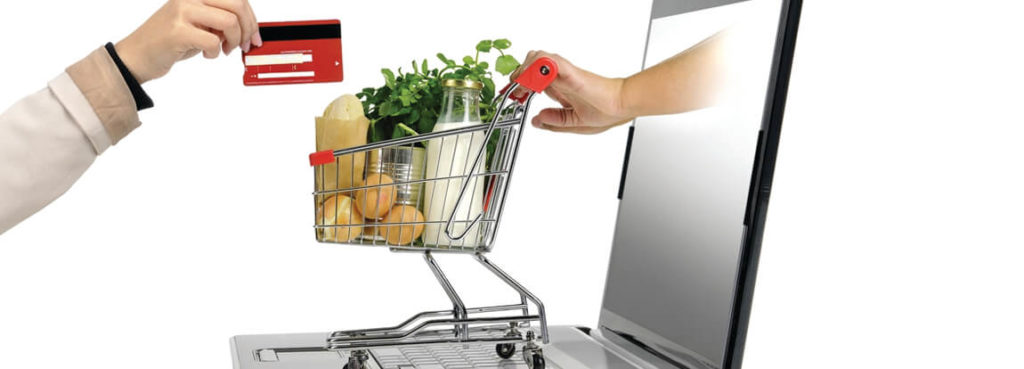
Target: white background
column 893, row 232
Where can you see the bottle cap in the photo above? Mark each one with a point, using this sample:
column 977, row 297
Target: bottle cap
column 462, row 83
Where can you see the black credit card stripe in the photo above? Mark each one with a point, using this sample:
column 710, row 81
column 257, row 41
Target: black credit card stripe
column 306, row 32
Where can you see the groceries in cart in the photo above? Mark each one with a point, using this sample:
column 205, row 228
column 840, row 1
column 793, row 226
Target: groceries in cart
column 433, row 160
column 397, row 193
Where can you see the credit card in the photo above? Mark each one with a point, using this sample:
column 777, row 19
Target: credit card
column 295, row 52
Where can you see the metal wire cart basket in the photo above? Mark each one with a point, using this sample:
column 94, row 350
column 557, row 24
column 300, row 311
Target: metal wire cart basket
column 438, row 192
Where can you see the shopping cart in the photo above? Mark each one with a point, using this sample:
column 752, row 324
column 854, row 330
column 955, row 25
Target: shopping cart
column 441, row 192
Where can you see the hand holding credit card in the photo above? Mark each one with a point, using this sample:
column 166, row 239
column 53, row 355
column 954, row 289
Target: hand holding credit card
column 295, row 52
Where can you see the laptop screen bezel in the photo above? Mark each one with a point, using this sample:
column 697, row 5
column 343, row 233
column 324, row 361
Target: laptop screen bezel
column 757, row 201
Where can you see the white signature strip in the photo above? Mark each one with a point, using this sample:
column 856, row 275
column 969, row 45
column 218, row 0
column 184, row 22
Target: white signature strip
column 278, row 59
column 285, row 75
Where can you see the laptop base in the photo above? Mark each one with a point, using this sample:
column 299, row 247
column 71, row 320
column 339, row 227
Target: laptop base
column 569, row 348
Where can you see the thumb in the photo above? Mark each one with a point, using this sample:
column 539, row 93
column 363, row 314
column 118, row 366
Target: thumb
column 555, row 117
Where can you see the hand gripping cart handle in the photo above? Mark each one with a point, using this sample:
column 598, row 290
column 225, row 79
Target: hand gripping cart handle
column 451, row 202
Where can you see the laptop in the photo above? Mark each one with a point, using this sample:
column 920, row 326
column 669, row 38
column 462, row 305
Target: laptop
column 693, row 199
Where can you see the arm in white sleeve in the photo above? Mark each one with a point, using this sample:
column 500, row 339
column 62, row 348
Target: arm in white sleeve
column 48, row 139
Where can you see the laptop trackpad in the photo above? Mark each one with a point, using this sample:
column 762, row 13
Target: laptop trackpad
column 584, row 354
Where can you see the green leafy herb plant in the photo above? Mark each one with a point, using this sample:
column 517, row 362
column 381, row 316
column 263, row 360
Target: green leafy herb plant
column 409, row 102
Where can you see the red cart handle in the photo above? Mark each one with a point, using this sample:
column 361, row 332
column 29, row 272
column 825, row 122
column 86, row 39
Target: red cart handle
column 538, row 75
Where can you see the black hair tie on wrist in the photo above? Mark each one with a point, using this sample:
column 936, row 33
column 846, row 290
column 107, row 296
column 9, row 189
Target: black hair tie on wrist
column 142, row 100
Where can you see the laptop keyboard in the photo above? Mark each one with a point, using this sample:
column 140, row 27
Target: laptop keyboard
column 446, row 357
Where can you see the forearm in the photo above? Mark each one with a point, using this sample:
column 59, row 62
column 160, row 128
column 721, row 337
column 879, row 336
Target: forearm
column 43, row 150
column 687, row 81
column 48, row 139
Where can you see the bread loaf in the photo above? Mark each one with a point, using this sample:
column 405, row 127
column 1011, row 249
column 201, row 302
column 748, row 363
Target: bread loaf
column 343, row 125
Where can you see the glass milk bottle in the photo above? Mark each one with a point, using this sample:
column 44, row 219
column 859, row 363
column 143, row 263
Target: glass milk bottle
column 453, row 156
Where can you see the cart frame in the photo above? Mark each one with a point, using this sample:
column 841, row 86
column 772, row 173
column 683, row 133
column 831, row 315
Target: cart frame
column 461, row 324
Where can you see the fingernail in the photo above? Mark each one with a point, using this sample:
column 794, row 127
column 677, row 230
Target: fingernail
column 257, row 40
column 245, row 46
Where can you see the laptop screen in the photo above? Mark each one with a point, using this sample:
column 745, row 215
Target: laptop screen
column 683, row 217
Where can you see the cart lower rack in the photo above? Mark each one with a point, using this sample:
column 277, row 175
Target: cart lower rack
column 460, row 325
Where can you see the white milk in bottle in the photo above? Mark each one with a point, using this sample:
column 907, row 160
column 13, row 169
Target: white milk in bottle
column 453, row 156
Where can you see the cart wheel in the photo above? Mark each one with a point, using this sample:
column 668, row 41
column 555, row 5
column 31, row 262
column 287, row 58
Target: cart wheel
column 537, row 361
column 355, row 361
column 505, row 350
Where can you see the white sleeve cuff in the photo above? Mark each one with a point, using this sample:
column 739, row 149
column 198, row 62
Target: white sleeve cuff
column 78, row 107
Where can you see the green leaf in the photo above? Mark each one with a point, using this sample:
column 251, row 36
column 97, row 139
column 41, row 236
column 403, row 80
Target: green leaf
column 384, row 109
column 484, row 65
column 502, row 44
column 414, row 117
column 398, row 132
column 448, row 62
column 405, row 96
column 415, row 67
column 468, row 60
column 488, row 92
column 381, row 131
column 389, row 77
column 506, row 64
column 427, row 121
column 484, row 46
column 424, row 67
